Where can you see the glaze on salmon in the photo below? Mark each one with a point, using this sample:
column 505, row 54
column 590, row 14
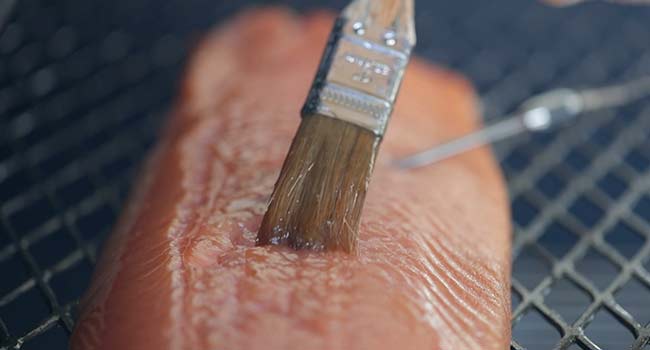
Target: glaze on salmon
column 181, row 270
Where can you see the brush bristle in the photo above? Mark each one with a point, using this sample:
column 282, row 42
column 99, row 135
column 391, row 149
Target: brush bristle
column 317, row 200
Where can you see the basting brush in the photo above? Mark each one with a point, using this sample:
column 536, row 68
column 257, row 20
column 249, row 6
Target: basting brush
column 318, row 198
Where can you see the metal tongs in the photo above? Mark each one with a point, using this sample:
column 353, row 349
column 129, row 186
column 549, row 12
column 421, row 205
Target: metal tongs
column 548, row 110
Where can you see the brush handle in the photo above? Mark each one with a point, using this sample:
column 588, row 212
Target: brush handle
column 383, row 12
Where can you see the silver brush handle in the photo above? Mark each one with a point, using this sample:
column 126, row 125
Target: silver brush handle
column 363, row 64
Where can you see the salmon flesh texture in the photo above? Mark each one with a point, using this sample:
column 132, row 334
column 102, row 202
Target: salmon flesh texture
column 182, row 271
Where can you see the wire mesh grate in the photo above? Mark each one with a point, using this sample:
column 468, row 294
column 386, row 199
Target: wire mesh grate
column 84, row 86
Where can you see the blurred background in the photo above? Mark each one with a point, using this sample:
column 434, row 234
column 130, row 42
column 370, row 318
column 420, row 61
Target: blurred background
column 85, row 85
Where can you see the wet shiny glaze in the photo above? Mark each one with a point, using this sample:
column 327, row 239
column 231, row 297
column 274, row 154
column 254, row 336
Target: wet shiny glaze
column 182, row 271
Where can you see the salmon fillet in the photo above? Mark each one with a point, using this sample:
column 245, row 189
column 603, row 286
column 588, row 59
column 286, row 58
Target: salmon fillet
column 181, row 270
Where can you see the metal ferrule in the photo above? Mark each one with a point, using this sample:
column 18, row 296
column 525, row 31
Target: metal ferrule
column 363, row 65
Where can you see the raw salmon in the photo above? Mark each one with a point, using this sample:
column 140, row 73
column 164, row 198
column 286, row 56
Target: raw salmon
column 181, row 270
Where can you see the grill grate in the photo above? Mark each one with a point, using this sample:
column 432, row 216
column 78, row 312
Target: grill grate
column 84, row 86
